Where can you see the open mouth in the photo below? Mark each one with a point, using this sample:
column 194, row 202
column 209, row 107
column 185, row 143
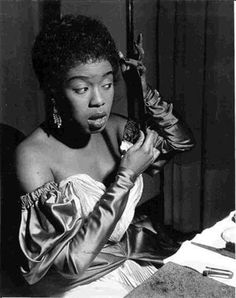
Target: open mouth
column 97, row 120
column 97, row 116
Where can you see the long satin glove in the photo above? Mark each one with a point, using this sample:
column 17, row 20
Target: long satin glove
column 52, row 233
column 173, row 134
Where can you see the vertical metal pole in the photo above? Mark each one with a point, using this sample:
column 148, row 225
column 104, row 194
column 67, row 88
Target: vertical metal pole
column 129, row 51
column 204, row 126
column 161, row 199
column 51, row 10
column 130, row 27
column 135, row 97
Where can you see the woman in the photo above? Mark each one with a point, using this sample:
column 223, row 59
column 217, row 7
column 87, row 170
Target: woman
column 81, row 174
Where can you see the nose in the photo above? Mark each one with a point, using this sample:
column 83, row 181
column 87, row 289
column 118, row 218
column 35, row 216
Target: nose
column 97, row 99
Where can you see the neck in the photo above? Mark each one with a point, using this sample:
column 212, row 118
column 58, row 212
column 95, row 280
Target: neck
column 70, row 135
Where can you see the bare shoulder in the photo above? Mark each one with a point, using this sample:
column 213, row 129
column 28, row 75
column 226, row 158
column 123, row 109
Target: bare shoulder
column 117, row 123
column 32, row 166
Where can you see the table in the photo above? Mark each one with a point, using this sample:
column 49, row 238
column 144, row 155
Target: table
column 173, row 281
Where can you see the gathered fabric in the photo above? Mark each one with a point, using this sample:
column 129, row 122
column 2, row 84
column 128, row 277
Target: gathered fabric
column 86, row 192
column 73, row 199
column 54, row 214
column 68, row 224
column 115, row 284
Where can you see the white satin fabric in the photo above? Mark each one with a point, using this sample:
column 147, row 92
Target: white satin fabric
column 86, row 192
column 116, row 284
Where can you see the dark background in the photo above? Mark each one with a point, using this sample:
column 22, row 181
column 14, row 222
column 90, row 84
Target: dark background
column 189, row 50
column 189, row 46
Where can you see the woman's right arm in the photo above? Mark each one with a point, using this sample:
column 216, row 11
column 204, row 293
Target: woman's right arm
column 53, row 233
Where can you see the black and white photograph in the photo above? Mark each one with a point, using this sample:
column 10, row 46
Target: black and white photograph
column 117, row 129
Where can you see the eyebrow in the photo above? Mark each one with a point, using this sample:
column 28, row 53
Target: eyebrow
column 87, row 77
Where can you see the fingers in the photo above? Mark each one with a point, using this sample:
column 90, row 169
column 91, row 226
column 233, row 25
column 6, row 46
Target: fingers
column 139, row 142
column 139, row 47
column 127, row 63
column 150, row 140
column 127, row 60
column 123, row 63
column 156, row 153
column 142, row 154
column 147, row 142
column 140, row 40
column 121, row 55
column 132, row 62
column 137, row 64
column 149, row 145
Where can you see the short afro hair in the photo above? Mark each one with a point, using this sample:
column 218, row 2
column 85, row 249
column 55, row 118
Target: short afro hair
column 63, row 43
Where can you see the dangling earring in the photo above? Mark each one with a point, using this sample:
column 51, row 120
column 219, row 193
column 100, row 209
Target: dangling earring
column 56, row 117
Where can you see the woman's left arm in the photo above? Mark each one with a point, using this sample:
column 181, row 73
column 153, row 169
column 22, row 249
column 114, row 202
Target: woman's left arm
column 173, row 134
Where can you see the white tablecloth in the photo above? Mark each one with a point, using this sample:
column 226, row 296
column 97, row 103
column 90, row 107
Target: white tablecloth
column 198, row 258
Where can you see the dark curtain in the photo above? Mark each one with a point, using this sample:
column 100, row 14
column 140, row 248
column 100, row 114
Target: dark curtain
column 22, row 104
column 196, row 60
column 21, row 100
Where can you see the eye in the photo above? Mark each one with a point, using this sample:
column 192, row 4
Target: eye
column 107, row 86
column 80, row 90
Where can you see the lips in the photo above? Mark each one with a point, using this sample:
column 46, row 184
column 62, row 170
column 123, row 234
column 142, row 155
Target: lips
column 97, row 120
column 97, row 116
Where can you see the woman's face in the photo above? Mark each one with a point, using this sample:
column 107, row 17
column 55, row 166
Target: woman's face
column 88, row 93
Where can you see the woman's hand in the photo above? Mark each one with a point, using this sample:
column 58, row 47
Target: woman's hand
column 137, row 63
column 142, row 154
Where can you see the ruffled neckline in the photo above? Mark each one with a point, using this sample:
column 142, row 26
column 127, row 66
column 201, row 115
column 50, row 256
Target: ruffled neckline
column 28, row 199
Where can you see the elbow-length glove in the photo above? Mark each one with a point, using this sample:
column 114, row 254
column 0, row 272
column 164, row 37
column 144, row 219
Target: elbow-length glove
column 173, row 133
column 53, row 232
